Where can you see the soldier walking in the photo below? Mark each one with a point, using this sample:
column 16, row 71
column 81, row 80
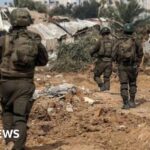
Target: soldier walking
column 103, row 51
column 21, row 51
column 128, row 55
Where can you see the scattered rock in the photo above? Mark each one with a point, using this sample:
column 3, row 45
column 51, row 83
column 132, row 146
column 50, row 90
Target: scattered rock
column 85, row 90
column 59, row 76
column 41, row 133
column 121, row 128
column 76, row 98
column 50, row 110
column 36, row 94
column 69, row 107
column 38, row 79
column 98, row 112
column 48, row 76
column 89, row 100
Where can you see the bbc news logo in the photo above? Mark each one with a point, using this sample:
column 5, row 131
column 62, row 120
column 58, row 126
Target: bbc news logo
column 6, row 134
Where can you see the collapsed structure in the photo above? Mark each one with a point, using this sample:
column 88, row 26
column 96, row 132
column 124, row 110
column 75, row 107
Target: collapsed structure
column 60, row 29
column 55, row 33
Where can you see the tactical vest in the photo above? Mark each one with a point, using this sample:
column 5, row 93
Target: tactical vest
column 105, row 51
column 20, row 53
column 127, row 50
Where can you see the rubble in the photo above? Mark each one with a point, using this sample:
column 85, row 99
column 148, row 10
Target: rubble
column 59, row 76
column 55, row 33
column 121, row 128
column 89, row 100
column 50, row 110
column 60, row 90
column 55, row 91
column 37, row 94
column 63, row 112
column 69, row 108
column 79, row 120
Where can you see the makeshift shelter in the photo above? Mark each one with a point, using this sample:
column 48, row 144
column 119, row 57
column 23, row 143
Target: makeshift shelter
column 75, row 27
column 51, row 34
column 54, row 33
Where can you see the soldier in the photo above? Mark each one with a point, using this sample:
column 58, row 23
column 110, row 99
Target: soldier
column 21, row 51
column 128, row 56
column 103, row 66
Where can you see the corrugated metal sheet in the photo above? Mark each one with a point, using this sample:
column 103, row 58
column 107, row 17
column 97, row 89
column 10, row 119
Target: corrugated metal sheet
column 50, row 33
column 74, row 26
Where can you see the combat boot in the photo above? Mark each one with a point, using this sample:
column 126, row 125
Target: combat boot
column 125, row 104
column 102, row 87
column 132, row 102
column 107, row 85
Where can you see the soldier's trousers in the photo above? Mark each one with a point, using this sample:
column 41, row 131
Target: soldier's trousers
column 103, row 68
column 128, row 77
column 16, row 104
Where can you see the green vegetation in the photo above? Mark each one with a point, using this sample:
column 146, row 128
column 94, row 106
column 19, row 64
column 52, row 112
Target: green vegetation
column 75, row 56
column 31, row 5
column 86, row 10
column 61, row 10
column 131, row 12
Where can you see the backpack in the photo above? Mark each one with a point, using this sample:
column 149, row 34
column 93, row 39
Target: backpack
column 24, row 50
column 127, row 50
column 106, row 48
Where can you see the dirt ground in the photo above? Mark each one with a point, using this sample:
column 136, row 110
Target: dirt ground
column 102, row 125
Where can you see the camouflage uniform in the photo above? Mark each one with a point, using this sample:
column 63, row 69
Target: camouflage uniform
column 128, row 70
column 17, row 86
column 103, row 66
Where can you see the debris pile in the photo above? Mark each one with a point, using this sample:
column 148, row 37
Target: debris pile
column 60, row 90
column 55, row 91
column 63, row 98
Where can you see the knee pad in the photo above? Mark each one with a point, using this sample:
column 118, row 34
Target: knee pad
column 124, row 89
column 133, row 88
column 124, row 93
column 124, row 86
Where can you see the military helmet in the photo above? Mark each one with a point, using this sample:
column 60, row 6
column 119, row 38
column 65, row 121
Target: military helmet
column 105, row 30
column 128, row 28
column 20, row 17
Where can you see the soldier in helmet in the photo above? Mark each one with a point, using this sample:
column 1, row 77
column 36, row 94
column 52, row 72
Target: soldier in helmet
column 21, row 51
column 128, row 55
column 103, row 51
